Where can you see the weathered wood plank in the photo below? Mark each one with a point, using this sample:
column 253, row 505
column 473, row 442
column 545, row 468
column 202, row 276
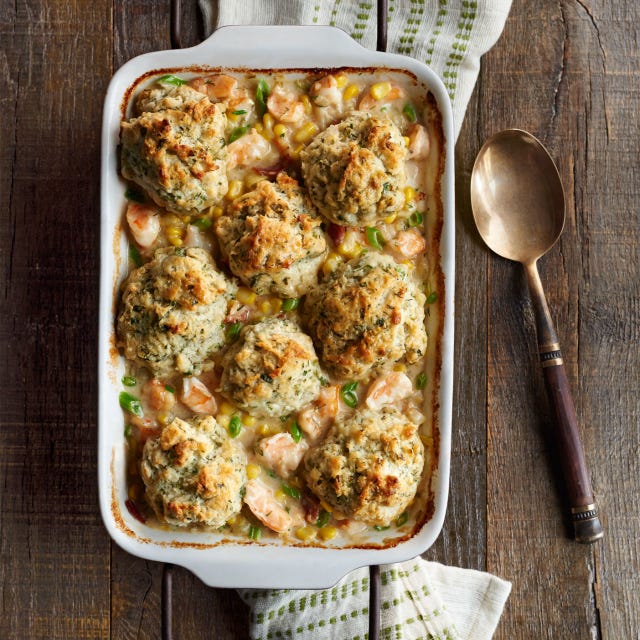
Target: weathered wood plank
column 569, row 89
column 54, row 563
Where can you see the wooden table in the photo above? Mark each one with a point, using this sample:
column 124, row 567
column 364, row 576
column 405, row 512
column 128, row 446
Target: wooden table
column 566, row 71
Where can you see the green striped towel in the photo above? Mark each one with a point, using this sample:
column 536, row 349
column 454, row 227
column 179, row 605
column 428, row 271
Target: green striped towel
column 419, row 600
column 448, row 35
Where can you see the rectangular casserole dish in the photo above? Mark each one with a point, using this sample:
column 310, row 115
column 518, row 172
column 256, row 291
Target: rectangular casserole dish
column 215, row 558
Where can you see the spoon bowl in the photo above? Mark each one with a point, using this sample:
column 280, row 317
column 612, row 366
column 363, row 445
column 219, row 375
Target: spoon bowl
column 518, row 205
column 517, row 196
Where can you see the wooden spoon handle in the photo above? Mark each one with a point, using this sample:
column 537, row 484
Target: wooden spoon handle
column 584, row 513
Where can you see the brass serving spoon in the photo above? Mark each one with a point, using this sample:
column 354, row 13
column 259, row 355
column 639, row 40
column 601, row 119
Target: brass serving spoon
column 518, row 205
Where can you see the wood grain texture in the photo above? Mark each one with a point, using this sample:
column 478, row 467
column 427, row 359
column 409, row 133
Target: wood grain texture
column 568, row 71
column 54, row 573
column 573, row 89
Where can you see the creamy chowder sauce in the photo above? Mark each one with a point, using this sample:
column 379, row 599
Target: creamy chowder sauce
column 281, row 316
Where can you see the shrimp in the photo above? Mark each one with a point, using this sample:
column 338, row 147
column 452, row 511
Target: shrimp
column 325, row 92
column 216, row 87
column 315, row 420
column 351, row 527
column 197, row 396
column 157, row 395
column 284, row 105
column 144, row 223
column 282, row 453
column 387, row 389
column 368, row 101
column 147, row 428
column 264, row 506
column 408, row 244
column 240, row 100
column 237, row 313
column 419, row 143
column 246, row 150
column 193, row 237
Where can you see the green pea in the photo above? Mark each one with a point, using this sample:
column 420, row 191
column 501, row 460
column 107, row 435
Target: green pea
column 290, row 304
column 295, row 431
column 410, row 112
column 292, row 492
column 374, row 238
column 235, row 426
column 262, row 93
column 238, row 132
column 254, row 532
column 171, row 79
column 348, row 394
column 323, row 519
column 415, row 219
column 131, row 404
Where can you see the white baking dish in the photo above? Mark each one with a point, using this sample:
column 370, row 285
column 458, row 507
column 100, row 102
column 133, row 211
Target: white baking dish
column 241, row 563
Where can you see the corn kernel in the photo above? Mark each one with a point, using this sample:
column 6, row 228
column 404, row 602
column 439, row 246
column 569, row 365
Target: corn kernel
column 409, row 195
column 164, row 417
column 380, row 90
column 216, row 212
column 350, row 247
column 326, row 506
column 328, row 533
column 306, row 132
column 226, row 409
column 350, row 92
column 248, row 420
column 259, row 127
column 233, row 117
column 223, row 420
column 409, row 265
column 265, row 307
column 263, row 429
column 306, row 533
column 294, row 153
column 252, row 178
column 399, row 367
column 331, row 263
column 235, row 189
column 391, row 219
column 341, row 80
column 174, row 237
column 253, row 471
column 280, row 495
column 406, row 140
column 245, row 296
column 232, row 520
column 280, row 130
column 306, row 102
column 268, row 121
column 276, row 305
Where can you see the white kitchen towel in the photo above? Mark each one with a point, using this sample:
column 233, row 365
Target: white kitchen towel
column 447, row 35
column 419, row 600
